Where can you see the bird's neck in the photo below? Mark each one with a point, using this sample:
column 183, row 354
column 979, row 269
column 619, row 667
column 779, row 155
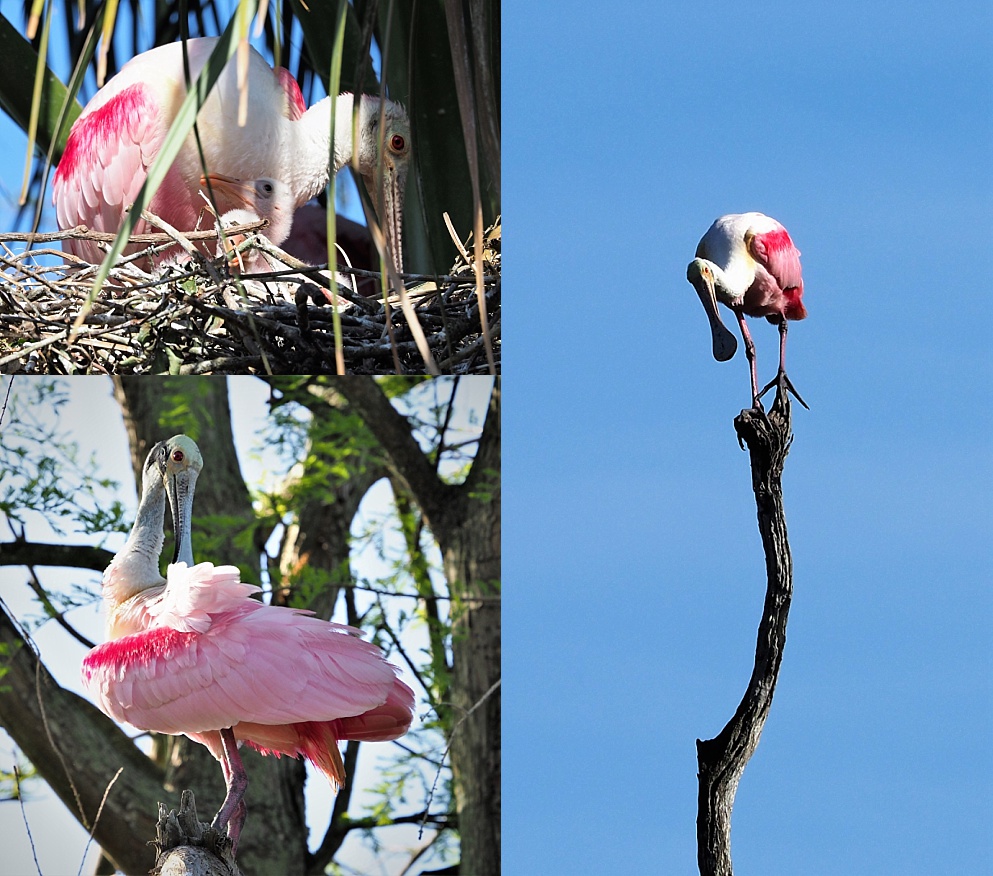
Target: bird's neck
column 344, row 110
column 136, row 566
column 315, row 128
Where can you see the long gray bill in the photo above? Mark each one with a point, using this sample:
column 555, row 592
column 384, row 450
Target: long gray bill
column 725, row 343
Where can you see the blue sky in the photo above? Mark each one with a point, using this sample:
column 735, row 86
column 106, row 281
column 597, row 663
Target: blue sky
column 634, row 570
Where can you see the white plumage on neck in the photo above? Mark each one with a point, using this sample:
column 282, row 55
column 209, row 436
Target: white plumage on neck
column 312, row 132
column 135, row 568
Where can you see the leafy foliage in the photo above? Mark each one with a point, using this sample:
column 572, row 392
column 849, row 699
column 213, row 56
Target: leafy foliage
column 42, row 472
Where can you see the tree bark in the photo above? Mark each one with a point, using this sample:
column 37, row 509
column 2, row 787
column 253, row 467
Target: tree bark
column 722, row 760
column 465, row 519
column 34, row 553
column 185, row 846
column 77, row 750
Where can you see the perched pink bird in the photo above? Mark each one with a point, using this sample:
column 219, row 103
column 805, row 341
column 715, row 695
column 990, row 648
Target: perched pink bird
column 119, row 133
column 194, row 654
column 748, row 262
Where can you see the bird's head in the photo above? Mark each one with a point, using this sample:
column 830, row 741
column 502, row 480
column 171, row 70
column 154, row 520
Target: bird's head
column 181, row 464
column 703, row 275
column 275, row 202
column 263, row 198
column 382, row 159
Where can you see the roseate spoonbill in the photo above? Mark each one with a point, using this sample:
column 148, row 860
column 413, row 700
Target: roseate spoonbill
column 119, row 133
column 210, row 662
column 269, row 199
column 748, row 262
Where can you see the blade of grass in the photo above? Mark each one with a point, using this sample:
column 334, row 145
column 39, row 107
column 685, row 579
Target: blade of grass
column 68, row 111
column 467, row 109
column 109, row 20
column 334, row 83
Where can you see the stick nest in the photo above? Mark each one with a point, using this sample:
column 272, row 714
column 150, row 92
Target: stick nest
column 197, row 317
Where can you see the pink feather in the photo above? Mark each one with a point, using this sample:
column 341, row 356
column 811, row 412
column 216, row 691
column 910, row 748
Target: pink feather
column 212, row 657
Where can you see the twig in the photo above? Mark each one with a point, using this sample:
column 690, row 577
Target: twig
column 448, row 747
column 57, row 616
column 24, row 815
column 96, row 820
column 192, row 319
column 6, row 398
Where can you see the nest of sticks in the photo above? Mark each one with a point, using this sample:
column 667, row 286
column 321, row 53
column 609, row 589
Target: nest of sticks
column 198, row 316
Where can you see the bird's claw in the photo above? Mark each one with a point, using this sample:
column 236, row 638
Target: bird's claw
column 783, row 383
column 758, row 408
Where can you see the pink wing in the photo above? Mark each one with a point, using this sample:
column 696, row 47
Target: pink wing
column 105, row 163
column 776, row 252
column 215, row 659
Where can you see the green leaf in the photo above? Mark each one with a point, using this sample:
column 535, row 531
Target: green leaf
column 17, row 56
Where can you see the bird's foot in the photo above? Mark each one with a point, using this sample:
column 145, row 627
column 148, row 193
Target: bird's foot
column 758, row 408
column 782, row 383
column 231, row 825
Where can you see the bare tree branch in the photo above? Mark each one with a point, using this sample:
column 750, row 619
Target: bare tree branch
column 722, row 760
column 35, row 553
column 404, row 457
column 53, row 612
column 39, row 714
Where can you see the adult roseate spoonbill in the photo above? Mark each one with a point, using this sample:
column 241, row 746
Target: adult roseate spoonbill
column 210, row 662
column 119, row 133
column 748, row 262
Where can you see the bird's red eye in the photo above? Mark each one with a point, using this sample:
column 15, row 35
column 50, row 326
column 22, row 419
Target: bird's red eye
column 178, row 456
column 398, row 143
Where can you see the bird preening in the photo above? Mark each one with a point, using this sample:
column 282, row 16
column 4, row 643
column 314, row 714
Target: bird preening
column 195, row 654
column 117, row 136
column 748, row 262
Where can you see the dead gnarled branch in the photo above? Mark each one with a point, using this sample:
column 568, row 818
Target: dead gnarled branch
column 722, row 760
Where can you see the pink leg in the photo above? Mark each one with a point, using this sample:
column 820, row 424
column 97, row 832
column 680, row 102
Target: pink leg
column 233, row 810
column 782, row 381
column 750, row 355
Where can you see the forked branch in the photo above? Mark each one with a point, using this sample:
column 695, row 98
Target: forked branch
column 722, row 760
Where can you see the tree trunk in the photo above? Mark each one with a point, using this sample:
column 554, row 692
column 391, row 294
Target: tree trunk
column 472, row 558
column 465, row 519
column 722, row 760
column 315, row 554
